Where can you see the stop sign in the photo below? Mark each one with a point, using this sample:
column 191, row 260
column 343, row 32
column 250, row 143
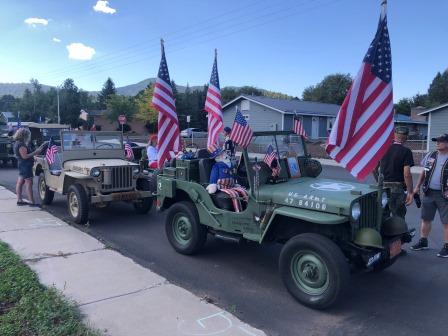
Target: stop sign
column 122, row 119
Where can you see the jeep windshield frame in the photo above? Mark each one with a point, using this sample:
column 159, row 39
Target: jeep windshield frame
column 277, row 145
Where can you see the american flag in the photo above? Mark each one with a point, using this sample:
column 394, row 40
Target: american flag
column 298, row 128
column 168, row 124
column 50, row 155
column 213, row 107
column 241, row 132
column 363, row 129
column 271, row 160
column 128, row 151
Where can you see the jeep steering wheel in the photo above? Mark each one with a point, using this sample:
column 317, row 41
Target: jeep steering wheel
column 105, row 144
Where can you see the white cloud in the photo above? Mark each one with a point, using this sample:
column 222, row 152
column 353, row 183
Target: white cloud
column 55, row 39
column 103, row 7
column 79, row 51
column 33, row 22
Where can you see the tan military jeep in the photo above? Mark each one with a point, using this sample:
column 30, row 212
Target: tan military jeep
column 90, row 168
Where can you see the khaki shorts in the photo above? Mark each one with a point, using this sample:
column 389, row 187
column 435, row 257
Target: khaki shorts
column 433, row 201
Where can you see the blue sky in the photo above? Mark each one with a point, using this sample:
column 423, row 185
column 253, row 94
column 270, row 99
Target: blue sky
column 277, row 45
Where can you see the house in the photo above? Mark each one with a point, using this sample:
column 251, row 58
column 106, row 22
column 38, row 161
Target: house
column 437, row 123
column 7, row 117
column 100, row 118
column 418, row 126
column 264, row 114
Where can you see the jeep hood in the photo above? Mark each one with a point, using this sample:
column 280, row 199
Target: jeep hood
column 84, row 166
column 315, row 194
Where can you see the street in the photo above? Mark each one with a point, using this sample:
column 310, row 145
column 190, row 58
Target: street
column 406, row 299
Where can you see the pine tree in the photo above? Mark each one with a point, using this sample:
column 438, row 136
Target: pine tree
column 107, row 90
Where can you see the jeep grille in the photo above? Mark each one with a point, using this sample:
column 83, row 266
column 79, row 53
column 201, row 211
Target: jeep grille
column 3, row 148
column 117, row 178
column 369, row 211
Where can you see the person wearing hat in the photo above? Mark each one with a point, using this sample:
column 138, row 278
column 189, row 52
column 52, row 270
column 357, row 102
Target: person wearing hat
column 434, row 179
column 229, row 146
column 151, row 151
column 396, row 168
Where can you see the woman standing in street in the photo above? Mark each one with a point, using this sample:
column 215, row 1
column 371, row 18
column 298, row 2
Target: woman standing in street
column 25, row 159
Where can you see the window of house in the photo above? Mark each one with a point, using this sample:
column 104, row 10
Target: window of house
column 330, row 123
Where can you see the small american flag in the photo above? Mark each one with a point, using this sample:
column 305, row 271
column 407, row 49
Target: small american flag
column 213, row 107
column 168, row 124
column 128, row 151
column 50, row 155
column 241, row 132
column 363, row 129
column 19, row 123
column 271, row 160
column 298, row 128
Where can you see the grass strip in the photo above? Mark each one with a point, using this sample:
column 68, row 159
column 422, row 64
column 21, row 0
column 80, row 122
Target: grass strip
column 29, row 308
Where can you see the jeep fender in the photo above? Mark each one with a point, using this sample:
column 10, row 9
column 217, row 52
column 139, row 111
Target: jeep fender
column 71, row 178
column 305, row 215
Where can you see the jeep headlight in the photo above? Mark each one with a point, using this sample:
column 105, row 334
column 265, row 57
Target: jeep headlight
column 136, row 170
column 356, row 211
column 384, row 199
column 95, row 172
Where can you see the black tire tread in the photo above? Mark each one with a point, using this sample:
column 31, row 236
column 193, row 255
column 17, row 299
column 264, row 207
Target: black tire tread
column 49, row 194
column 83, row 214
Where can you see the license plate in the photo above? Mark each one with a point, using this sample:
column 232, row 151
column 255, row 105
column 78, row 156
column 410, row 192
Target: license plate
column 395, row 248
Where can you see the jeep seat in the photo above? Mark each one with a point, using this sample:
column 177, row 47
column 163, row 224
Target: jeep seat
column 220, row 199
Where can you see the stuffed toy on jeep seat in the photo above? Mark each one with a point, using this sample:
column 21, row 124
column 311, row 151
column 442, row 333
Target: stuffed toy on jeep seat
column 222, row 179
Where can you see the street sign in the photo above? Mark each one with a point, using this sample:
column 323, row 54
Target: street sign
column 122, row 119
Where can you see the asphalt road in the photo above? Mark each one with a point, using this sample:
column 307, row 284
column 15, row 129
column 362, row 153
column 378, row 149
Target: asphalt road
column 409, row 298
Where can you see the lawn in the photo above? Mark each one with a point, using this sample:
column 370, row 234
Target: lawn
column 28, row 308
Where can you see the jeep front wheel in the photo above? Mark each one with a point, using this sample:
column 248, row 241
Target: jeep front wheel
column 314, row 270
column 78, row 205
column 183, row 229
column 45, row 194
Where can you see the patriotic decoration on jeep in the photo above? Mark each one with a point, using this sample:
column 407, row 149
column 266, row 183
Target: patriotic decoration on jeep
column 50, row 155
column 363, row 129
column 213, row 107
column 241, row 132
column 271, row 160
column 168, row 124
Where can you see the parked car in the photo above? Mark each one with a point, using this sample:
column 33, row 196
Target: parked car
column 90, row 168
column 327, row 227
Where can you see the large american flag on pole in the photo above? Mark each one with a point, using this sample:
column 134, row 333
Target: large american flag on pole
column 241, row 132
column 213, row 107
column 363, row 129
column 168, row 124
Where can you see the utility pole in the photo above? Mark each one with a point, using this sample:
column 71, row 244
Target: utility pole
column 59, row 116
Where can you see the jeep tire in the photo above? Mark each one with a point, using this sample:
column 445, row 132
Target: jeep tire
column 77, row 203
column 143, row 206
column 314, row 270
column 183, row 229
column 45, row 194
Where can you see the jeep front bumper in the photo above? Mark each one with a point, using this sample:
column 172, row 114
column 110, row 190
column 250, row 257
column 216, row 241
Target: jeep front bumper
column 121, row 196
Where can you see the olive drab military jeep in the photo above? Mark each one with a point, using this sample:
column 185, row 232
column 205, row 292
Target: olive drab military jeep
column 89, row 167
column 328, row 227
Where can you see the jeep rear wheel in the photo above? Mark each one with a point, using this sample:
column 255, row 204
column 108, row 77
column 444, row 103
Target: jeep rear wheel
column 78, row 205
column 143, row 206
column 314, row 270
column 183, row 229
column 45, row 194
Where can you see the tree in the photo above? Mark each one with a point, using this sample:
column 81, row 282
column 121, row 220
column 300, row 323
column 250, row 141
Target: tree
column 8, row 103
column 107, row 91
column 332, row 89
column 145, row 111
column 403, row 106
column 117, row 105
column 438, row 89
column 70, row 106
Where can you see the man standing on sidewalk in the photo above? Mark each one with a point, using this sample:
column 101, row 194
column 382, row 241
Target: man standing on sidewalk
column 396, row 168
column 434, row 179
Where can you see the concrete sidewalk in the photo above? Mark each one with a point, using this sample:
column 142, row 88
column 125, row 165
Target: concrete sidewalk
column 116, row 295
